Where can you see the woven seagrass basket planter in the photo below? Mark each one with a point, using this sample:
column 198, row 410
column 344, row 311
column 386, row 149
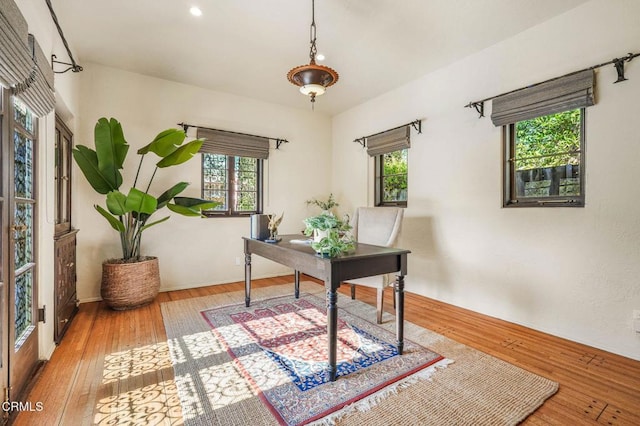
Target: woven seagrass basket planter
column 130, row 285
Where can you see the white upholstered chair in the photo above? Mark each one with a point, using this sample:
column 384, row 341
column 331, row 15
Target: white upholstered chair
column 379, row 226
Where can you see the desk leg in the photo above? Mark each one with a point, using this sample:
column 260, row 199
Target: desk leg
column 332, row 326
column 399, row 293
column 297, row 283
column 247, row 279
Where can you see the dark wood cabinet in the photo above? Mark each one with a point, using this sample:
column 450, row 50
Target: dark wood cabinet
column 66, row 304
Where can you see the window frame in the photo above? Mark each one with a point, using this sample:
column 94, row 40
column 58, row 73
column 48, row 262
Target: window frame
column 510, row 198
column 231, row 191
column 378, row 180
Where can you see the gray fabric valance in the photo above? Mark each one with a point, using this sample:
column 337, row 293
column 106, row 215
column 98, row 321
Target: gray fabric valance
column 230, row 143
column 389, row 141
column 15, row 62
column 23, row 65
column 37, row 91
column 559, row 95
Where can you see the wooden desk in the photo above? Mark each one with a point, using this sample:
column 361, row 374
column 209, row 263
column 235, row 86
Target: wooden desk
column 367, row 260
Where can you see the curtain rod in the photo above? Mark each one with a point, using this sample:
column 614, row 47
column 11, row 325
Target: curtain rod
column 617, row 62
column 279, row 141
column 73, row 66
column 417, row 124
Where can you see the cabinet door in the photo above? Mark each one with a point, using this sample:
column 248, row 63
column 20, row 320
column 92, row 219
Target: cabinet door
column 64, row 146
column 65, row 279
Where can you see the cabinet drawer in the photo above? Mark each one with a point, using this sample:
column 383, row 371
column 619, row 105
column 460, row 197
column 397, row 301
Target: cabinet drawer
column 64, row 315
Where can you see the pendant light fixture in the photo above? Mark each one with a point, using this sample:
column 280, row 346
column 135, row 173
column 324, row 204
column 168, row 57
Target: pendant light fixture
column 313, row 79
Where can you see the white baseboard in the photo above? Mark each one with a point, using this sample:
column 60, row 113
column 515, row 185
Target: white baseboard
column 190, row 286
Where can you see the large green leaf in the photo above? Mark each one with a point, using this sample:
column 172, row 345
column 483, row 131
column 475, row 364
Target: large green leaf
column 182, row 154
column 165, row 143
column 138, row 201
column 113, row 221
column 87, row 160
column 111, row 149
column 116, row 203
column 184, row 211
column 148, row 225
column 187, row 206
column 195, row 202
column 167, row 195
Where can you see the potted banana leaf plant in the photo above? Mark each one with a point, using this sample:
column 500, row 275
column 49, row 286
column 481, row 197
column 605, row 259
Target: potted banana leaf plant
column 133, row 280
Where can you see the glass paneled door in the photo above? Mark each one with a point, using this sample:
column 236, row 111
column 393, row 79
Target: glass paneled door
column 21, row 255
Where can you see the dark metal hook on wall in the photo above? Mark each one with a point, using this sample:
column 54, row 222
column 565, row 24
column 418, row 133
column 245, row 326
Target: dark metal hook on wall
column 280, row 142
column 70, row 67
column 73, row 66
column 417, row 125
column 479, row 107
column 619, row 64
column 361, row 141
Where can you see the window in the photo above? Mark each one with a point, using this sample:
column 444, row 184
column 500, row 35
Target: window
column 390, row 150
column 235, row 182
column 391, row 182
column 544, row 161
column 544, row 139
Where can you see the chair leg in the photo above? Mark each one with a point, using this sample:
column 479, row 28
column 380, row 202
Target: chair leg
column 379, row 304
column 353, row 292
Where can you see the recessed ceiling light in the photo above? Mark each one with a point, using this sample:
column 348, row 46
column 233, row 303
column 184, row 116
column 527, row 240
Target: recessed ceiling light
column 320, row 57
column 195, row 11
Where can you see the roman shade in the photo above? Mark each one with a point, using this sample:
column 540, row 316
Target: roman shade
column 551, row 97
column 23, row 65
column 15, row 62
column 389, row 141
column 37, row 91
column 231, row 143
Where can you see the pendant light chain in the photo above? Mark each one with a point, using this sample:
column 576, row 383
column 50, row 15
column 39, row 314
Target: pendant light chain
column 312, row 33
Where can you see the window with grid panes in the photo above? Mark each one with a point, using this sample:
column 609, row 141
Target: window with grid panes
column 235, row 182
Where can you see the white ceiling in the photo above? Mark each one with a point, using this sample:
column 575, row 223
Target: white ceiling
column 246, row 47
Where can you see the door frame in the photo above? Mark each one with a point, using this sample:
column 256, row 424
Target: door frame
column 20, row 364
column 4, row 247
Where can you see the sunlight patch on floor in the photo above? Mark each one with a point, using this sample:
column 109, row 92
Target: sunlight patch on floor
column 136, row 362
column 154, row 404
column 136, row 391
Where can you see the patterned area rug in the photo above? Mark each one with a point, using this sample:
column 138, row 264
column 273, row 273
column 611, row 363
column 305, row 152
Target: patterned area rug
column 280, row 346
column 213, row 387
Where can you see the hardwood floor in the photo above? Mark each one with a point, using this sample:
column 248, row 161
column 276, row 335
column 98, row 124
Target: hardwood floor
column 112, row 363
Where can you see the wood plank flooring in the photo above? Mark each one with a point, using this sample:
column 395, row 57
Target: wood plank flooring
column 113, row 367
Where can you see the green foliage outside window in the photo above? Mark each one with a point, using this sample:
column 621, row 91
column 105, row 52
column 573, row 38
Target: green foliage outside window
column 545, row 160
column 549, row 141
column 394, row 176
column 247, row 184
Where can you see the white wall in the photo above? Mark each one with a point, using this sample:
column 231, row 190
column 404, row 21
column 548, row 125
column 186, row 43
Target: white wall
column 571, row 272
column 66, row 86
column 194, row 251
